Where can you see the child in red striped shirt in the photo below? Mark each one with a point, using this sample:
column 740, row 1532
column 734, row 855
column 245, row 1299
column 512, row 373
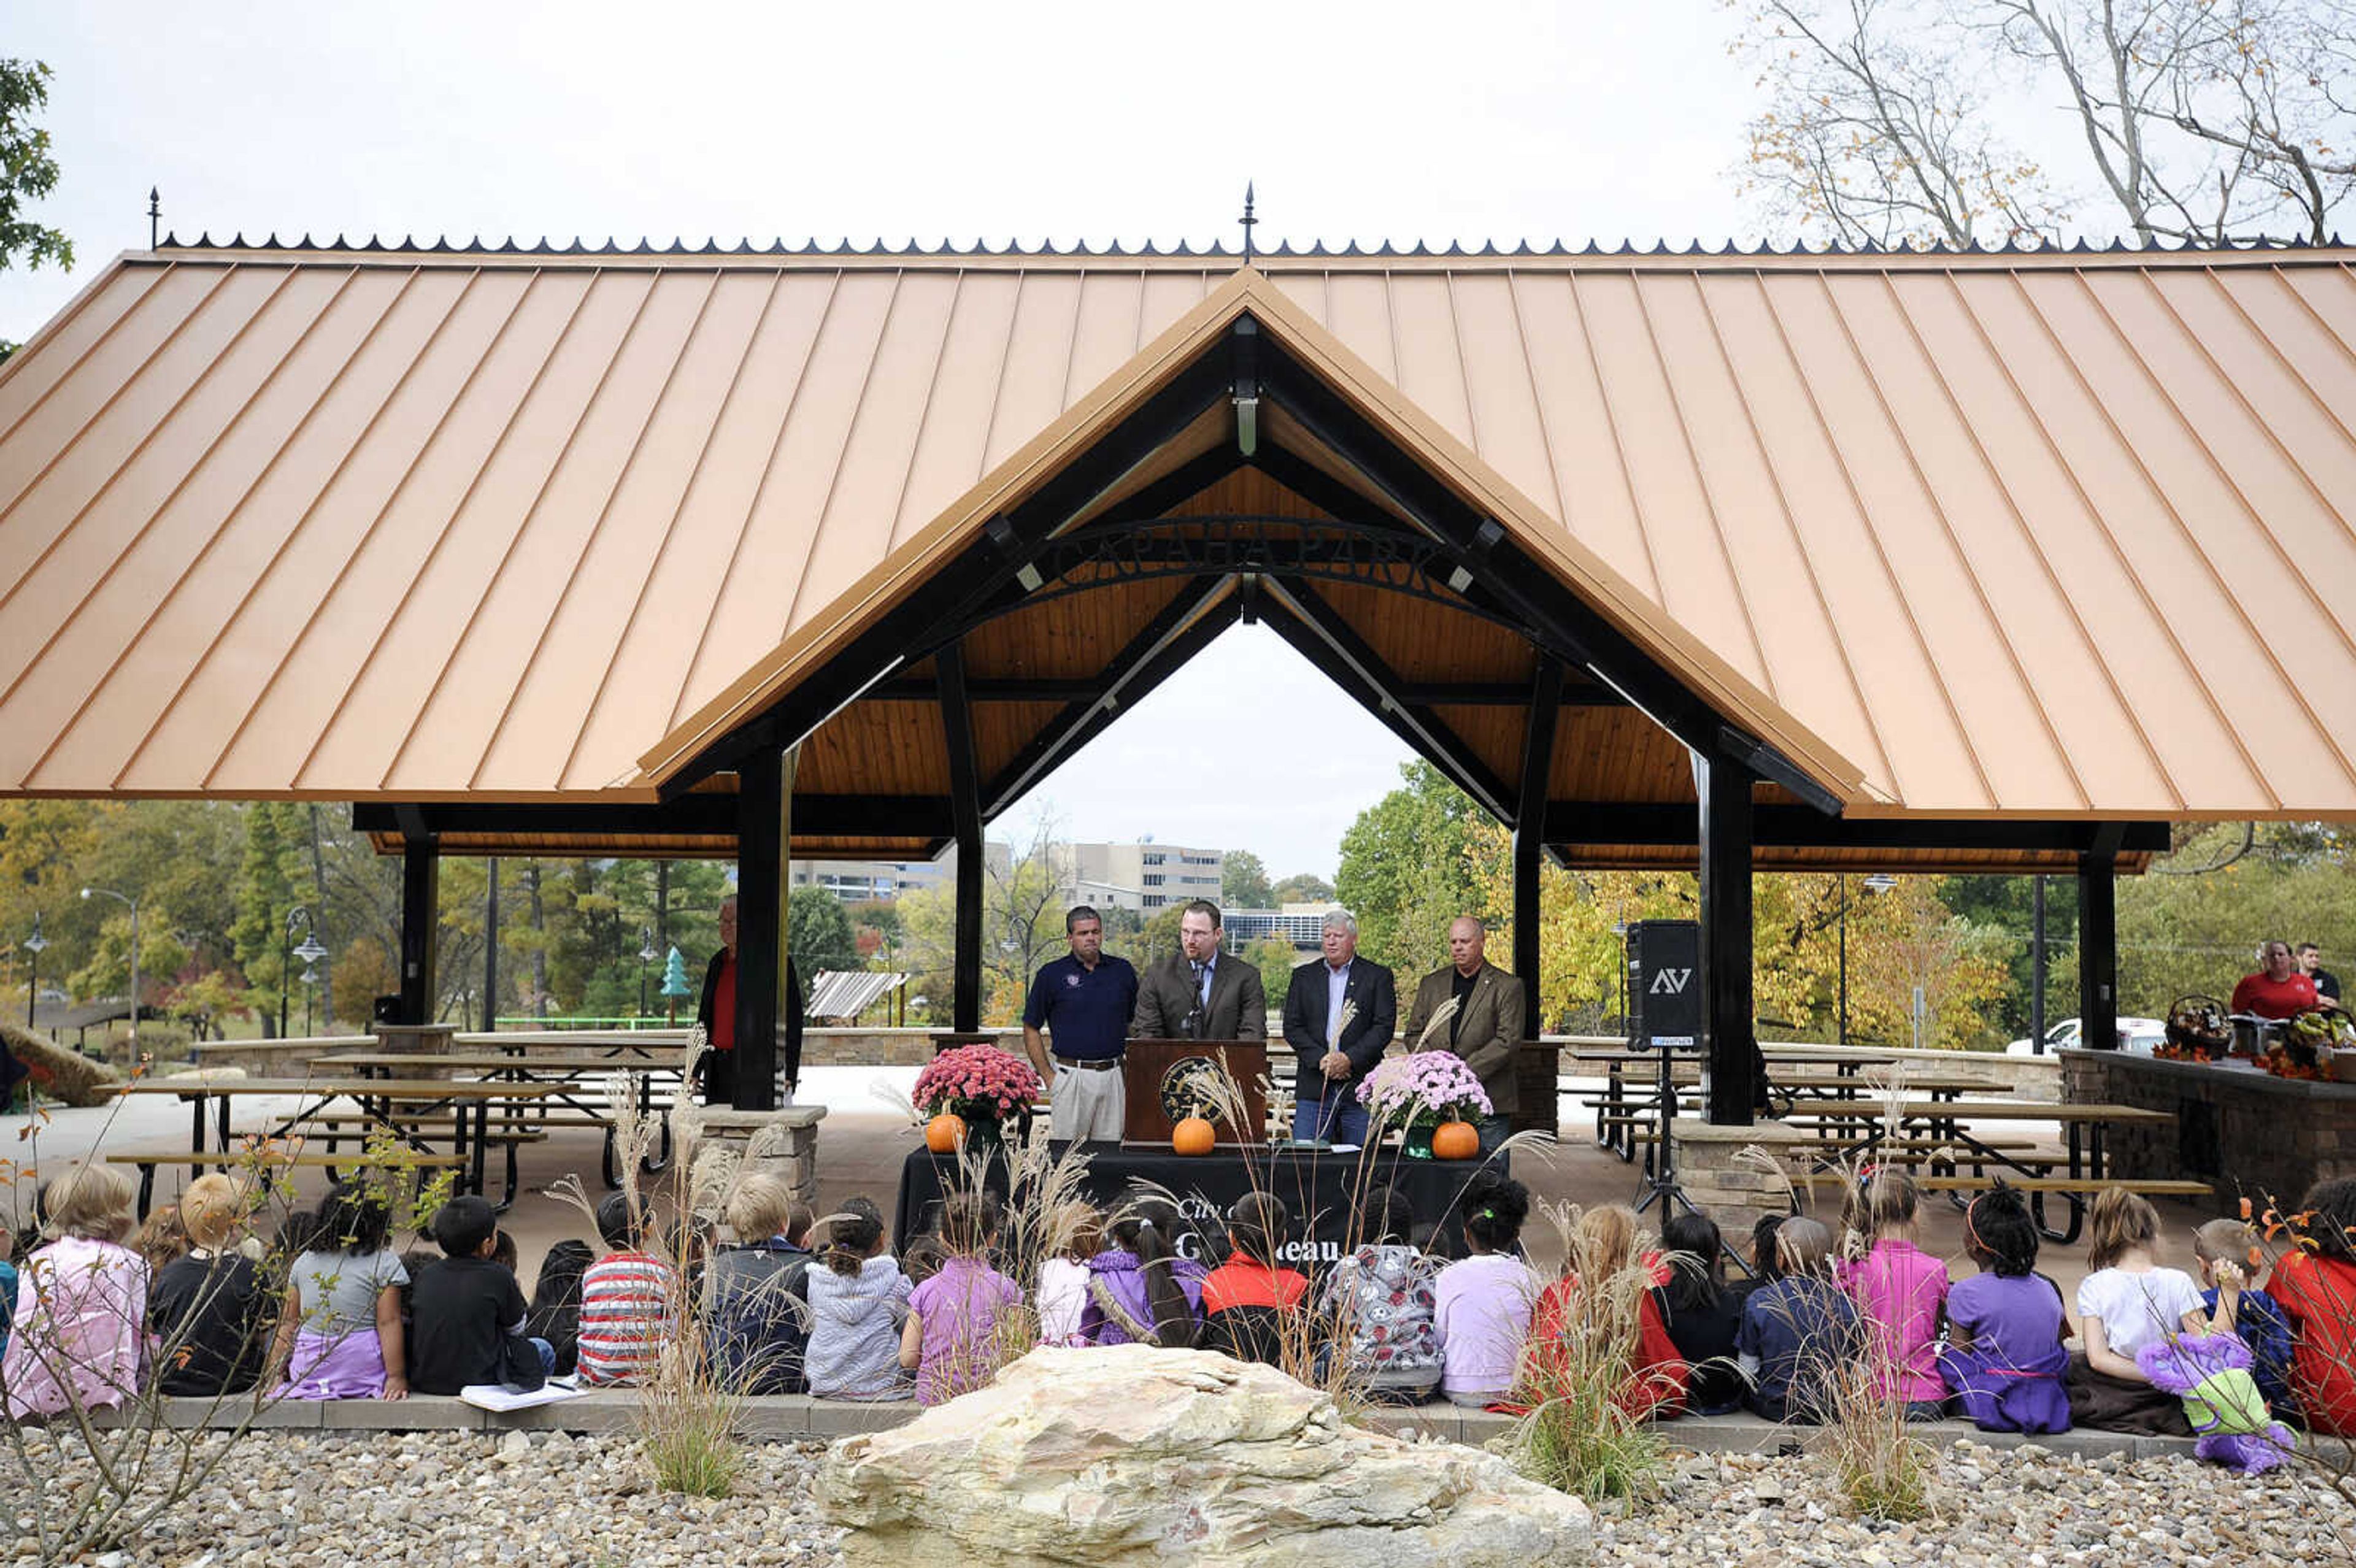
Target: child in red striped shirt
column 627, row 1297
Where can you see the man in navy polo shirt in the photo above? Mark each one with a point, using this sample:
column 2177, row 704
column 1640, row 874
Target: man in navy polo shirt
column 1084, row 1002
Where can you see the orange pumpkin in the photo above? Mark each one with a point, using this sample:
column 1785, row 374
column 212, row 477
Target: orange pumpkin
column 1456, row 1140
column 1192, row 1135
column 943, row 1133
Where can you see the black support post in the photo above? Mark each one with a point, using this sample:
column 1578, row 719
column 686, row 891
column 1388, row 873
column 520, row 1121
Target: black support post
column 760, row 879
column 421, row 894
column 1535, row 1079
column 2098, row 951
column 1727, row 1019
column 965, row 812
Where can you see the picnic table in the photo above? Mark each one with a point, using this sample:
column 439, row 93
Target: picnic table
column 1621, row 1107
column 2083, row 1156
column 396, row 1105
column 567, row 1070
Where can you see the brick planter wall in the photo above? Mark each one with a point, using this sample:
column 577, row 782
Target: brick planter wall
column 2246, row 1133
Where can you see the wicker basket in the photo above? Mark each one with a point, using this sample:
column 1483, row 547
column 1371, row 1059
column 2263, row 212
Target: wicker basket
column 2200, row 1024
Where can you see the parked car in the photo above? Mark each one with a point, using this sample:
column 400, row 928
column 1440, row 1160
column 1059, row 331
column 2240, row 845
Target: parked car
column 2137, row 1035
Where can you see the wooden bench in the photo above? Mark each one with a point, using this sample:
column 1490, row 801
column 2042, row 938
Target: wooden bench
column 148, row 1160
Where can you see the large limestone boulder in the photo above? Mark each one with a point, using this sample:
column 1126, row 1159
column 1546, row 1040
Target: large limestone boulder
column 1138, row 1454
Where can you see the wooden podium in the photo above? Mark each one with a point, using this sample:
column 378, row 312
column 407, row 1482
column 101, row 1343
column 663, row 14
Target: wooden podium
column 1153, row 1083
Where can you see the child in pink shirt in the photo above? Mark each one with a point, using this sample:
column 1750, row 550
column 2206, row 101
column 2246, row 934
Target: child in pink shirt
column 1901, row 1293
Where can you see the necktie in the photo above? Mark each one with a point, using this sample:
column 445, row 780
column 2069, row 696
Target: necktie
column 1202, row 984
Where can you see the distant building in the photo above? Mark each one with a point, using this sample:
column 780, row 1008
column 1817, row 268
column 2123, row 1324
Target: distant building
column 1145, row 876
column 859, row 881
column 1302, row 924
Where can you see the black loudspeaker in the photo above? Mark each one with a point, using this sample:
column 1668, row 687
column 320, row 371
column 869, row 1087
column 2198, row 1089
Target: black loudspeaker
column 1665, row 985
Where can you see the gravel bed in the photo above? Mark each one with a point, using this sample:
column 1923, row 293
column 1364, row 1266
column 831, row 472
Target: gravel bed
column 2020, row 1508
column 544, row 1499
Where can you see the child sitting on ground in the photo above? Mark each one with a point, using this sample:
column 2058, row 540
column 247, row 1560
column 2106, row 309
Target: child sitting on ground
column 1480, row 1303
column 2225, row 1257
column 858, row 1300
column 208, row 1314
column 1064, row 1279
column 2316, row 1288
column 555, row 1312
column 1251, row 1303
column 757, row 1325
column 1705, row 1316
column 1380, row 1299
column 1901, row 1293
column 1137, row 1291
column 1606, row 1295
column 82, row 1304
column 629, row 1300
column 468, row 1307
column 2129, row 1301
column 1798, row 1329
column 951, row 1340
column 2005, row 1358
column 339, row 1331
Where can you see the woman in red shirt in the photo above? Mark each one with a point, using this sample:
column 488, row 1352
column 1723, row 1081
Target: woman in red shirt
column 2277, row 991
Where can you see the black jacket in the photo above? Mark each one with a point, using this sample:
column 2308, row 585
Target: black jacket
column 1375, row 992
column 793, row 1019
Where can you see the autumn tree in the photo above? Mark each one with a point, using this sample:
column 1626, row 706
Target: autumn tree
column 1302, row 888
column 2198, row 120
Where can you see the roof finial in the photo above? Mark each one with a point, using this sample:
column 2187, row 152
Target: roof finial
column 155, row 214
column 1247, row 220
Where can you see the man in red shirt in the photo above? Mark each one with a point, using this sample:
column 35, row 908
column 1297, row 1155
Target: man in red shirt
column 2277, row 991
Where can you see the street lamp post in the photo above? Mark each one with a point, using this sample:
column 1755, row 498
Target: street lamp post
column 34, row 945
column 311, row 950
column 133, row 905
column 647, row 954
column 1879, row 882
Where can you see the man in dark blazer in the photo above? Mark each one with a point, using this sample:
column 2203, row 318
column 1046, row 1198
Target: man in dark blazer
column 1199, row 992
column 1337, row 1055
column 1486, row 1028
column 717, row 1013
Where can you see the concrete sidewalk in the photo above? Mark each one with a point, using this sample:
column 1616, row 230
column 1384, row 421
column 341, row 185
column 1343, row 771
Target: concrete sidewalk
column 799, row 1418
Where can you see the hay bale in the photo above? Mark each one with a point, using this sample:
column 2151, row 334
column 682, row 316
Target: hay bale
column 60, row 1074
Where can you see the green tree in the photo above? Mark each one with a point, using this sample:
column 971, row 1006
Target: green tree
column 1405, row 871
column 819, row 934
column 1275, row 961
column 1243, row 881
column 274, row 877
column 1303, row 888
column 28, row 172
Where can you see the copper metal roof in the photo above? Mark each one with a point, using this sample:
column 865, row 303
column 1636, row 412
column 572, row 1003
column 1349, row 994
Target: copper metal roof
column 2037, row 534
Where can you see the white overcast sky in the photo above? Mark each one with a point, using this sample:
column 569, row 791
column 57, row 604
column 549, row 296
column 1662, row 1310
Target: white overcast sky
column 1466, row 122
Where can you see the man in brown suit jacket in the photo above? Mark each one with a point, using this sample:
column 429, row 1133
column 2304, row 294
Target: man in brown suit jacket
column 1486, row 1028
column 1199, row 992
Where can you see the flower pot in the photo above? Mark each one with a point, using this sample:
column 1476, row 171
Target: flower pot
column 1416, row 1142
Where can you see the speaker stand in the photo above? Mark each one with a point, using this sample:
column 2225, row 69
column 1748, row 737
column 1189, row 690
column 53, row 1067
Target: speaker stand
column 1660, row 1184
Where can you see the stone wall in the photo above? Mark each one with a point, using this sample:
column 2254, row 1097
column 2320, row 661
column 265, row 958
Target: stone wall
column 2245, row 1132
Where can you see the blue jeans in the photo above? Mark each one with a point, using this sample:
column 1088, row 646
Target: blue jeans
column 1339, row 1119
column 547, row 1356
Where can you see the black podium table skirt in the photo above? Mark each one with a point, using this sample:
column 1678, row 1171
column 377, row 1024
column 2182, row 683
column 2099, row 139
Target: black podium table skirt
column 1319, row 1190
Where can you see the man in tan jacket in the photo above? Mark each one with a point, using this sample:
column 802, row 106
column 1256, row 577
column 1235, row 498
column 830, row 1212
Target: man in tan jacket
column 1486, row 1028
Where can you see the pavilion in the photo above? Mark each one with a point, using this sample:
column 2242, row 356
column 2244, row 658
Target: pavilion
column 1994, row 561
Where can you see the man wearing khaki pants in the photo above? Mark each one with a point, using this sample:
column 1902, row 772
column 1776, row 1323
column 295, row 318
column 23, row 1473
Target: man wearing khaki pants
column 1083, row 1001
